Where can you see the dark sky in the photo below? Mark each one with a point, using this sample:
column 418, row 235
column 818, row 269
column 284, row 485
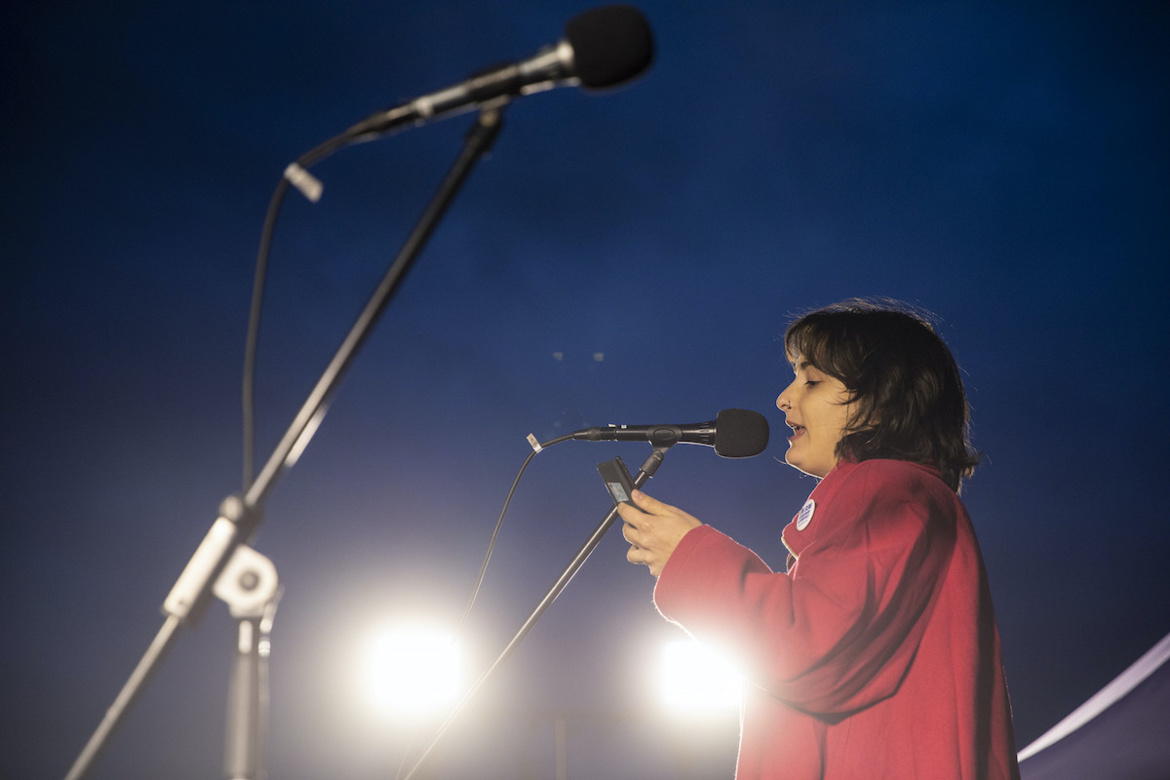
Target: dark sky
column 1001, row 164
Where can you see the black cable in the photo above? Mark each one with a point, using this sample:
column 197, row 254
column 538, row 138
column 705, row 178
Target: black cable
column 254, row 329
column 500, row 522
column 483, row 570
column 305, row 162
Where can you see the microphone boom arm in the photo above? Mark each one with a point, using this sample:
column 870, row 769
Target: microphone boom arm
column 240, row 516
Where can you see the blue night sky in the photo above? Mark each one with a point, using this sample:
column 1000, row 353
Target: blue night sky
column 628, row 257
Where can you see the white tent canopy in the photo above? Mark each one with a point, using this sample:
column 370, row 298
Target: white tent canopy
column 1122, row 732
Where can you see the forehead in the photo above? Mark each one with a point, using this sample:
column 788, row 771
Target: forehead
column 800, row 363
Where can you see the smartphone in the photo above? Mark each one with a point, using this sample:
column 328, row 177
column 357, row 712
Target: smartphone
column 617, row 480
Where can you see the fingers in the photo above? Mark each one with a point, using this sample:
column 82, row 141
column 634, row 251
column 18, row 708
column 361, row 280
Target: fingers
column 643, row 556
column 649, row 504
column 644, row 505
column 630, row 514
column 653, row 508
column 637, row 555
column 653, row 529
column 637, row 521
column 631, row 534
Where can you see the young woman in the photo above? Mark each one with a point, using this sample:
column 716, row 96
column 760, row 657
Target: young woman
column 876, row 655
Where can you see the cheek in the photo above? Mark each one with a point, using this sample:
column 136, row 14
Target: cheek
column 832, row 426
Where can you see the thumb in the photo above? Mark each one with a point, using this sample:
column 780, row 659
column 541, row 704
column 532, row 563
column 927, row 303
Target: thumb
column 648, row 503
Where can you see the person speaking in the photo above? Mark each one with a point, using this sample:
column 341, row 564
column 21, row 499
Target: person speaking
column 876, row 654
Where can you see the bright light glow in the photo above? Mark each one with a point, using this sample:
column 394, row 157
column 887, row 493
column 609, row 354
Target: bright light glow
column 411, row 671
column 696, row 681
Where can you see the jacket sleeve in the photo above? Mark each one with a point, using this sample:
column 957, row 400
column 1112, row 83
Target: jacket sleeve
column 838, row 632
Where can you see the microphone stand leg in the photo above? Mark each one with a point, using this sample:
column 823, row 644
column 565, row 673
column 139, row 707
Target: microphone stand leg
column 249, row 587
column 127, row 695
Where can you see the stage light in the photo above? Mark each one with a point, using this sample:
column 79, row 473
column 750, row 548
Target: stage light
column 411, row 672
column 696, row 681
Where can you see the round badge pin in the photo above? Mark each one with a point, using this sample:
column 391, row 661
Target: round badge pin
column 806, row 514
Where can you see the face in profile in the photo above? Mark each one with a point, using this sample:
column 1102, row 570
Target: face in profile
column 816, row 407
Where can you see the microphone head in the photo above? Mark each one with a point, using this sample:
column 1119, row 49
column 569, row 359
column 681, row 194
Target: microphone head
column 740, row 433
column 611, row 45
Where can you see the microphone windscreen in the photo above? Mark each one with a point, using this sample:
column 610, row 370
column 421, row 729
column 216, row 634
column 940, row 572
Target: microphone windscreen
column 740, row 433
column 611, row 44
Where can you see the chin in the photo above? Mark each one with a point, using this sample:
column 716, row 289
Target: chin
column 793, row 458
column 803, row 466
column 797, row 464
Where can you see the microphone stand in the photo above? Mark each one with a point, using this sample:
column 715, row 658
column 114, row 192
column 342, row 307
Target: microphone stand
column 248, row 587
column 224, row 562
column 647, row 470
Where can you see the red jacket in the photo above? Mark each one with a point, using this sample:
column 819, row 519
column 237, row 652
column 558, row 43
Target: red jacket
column 876, row 655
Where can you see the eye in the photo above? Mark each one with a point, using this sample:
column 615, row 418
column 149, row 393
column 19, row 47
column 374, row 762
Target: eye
column 812, row 382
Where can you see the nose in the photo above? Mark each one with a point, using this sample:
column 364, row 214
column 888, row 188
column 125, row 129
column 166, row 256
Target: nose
column 784, row 400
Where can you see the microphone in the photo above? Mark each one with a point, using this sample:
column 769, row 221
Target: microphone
column 735, row 433
column 603, row 47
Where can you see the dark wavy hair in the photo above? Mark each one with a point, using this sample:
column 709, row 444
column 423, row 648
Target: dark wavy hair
column 910, row 402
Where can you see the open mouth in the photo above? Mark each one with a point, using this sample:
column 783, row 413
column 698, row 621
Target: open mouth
column 797, row 430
